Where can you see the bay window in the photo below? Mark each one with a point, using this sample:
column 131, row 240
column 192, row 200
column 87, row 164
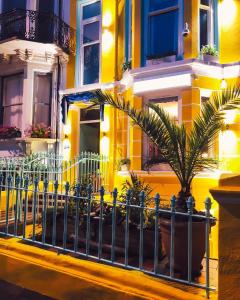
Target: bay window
column 90, row 42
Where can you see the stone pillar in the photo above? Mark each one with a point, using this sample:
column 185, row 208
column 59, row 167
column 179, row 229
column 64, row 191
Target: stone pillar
column 228, row 198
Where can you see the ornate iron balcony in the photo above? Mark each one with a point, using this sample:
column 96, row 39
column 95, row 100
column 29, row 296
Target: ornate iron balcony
column 37, row 27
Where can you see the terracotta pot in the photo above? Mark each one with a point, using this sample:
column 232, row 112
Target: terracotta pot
column 181, row 245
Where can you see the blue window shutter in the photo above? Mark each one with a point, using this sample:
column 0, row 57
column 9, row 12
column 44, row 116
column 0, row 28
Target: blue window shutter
column 215, row 26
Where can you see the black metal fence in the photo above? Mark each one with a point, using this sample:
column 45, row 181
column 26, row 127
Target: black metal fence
column 113, row 229
column 38, row 27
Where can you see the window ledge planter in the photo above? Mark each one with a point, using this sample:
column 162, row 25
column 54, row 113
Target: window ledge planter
column 207, row 58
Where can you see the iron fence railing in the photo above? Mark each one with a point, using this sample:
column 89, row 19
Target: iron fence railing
column 38, row 27
column 87, row 167
column 123, row 233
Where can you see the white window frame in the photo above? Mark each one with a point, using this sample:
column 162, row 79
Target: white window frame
column 82, row 45
column 210, row 22
column 177, row 7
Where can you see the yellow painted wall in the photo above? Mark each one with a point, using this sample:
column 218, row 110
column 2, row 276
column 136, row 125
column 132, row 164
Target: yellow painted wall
column 136, row 33
column 229, row 23
column 191, row 16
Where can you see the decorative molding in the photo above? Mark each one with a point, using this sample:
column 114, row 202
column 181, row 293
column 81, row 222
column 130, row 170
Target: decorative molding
column 5, row 58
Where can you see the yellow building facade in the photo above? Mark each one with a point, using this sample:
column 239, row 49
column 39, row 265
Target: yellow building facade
column 150, row 51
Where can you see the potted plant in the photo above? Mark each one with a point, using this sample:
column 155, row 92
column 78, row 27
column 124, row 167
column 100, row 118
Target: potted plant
column 124, row 164
column 209, row 54
column 183, row 150
column 9, row 132
column 38, row 131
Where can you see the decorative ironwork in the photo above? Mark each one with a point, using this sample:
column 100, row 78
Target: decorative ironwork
column 38, row 27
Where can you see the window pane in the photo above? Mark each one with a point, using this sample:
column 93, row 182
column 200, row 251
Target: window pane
column 205, row 2
column 12, row 116
column 161, row 4
column 91, row 10
column 90, row 114
column 13, row 90
column 163, row 34
column 203, row 27
column 91, row 64
column 89, row 137
column 46, row 6
column 42, row 98
column 12, row 4
column 91, row 32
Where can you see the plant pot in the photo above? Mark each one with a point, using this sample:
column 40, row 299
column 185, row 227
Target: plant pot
column 181, row 244
column 209, row 58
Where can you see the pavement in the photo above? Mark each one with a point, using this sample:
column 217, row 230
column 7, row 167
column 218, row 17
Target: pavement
column 10, row 291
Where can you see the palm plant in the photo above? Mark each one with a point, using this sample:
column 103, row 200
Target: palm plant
column 181, row 149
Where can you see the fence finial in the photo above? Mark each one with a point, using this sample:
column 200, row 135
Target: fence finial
column 173, row 202
column 208, row 204
column 142, row 198
column 190, row 204
column 36, row 181
column 128, row 196
column 157, row 200
column 17, row 180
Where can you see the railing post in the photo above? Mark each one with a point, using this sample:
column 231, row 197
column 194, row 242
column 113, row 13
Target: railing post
column 128, row 197
column 156, row 232
column 89, row 197
column 77, row 199
column 190, row 205
column 44, row 211
column 172, row 249
column 35, row 194
column 115, row 194
column 65, row 219
column 9, row 180
column 102, row 192
column 142, row 201
column 17, row 182
column 208, row 205
column 55, row 196
column 26, row 183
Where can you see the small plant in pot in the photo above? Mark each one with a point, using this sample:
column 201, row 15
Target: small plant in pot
column 124, row 164
column 184, row 151
column 209, row 54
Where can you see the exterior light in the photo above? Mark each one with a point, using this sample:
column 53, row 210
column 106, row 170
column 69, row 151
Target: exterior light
column 223, row 84
column 227, row 12
column 186, row 30
column 66, row 149
column 105, row 146
column 230, row 116
column 105, row 126
column 67, row 129
column 107, row 19
column 107, row 40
